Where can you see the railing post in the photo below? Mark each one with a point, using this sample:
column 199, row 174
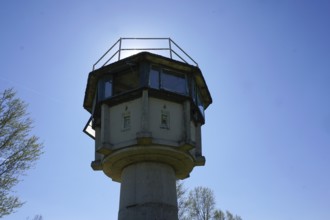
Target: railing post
column 119, row 48
column 105, row 54
column 169, row 42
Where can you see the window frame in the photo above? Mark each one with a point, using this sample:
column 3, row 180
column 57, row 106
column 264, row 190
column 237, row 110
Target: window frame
column 174, row 75
column 162, row 73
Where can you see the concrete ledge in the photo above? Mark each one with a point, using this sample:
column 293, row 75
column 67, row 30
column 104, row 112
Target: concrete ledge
column 182, row 162
column 96, row 165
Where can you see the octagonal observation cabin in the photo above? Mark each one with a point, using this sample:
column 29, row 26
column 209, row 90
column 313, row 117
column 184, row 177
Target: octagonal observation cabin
column 153, row 103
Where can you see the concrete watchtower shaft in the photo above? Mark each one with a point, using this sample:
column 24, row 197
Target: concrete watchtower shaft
column 146, row 116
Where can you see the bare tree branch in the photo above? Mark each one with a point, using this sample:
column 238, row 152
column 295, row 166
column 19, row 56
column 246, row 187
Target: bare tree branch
column 199, row 205
column 18, row 149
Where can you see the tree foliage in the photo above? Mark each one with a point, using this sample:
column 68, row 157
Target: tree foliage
column 18, row 149
column 38, row 217
column 199, row 204
column 182, row 199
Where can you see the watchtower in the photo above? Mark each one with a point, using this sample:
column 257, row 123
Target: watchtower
column 146, row 116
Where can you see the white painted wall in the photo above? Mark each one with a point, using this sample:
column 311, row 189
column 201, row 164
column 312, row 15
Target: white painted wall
column 175, row 131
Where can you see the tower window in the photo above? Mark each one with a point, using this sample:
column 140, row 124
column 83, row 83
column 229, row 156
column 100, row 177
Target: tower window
column 154, row 78
column 125, row 81
column 174, row 82
column 105, row 88
column 200, row 103
column 168, row 80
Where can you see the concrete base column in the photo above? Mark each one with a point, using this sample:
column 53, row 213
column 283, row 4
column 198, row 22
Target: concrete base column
column 148, row 192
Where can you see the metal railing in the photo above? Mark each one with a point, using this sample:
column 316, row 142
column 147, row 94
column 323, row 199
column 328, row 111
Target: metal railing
column 118, row 48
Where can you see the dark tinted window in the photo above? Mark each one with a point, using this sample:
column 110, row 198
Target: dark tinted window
column 174, row 82
column 123, row 82
column 200, row 103
column 154, row 78
column 105, row 88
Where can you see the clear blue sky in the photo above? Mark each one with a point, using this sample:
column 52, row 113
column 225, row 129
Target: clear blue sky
column 267, row 65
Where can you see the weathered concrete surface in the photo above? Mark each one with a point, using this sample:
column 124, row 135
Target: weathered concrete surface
column 148, row 192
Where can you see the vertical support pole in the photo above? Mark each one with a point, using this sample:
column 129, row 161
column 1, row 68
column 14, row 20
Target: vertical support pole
column 105, row 146
column 198, row 140
column 200, row 159
column 170, row 47
column 119, row 48
column 145, row 112
column 144, row 135
column 186, row 121
column 97, row 163
column 98, row 157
